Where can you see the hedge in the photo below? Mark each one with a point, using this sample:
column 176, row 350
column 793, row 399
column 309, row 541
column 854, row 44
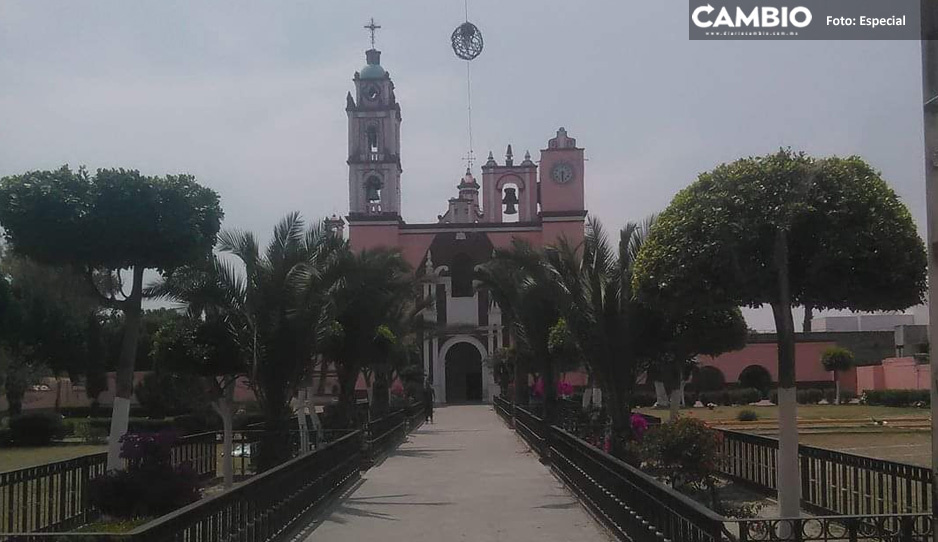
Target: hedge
column 897, row 398
column 36, row 428
column 812, row 396
column 99, row 411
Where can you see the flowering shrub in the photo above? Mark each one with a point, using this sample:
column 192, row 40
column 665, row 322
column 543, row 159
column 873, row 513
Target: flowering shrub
column 685, row 452
column 150, row 486
column 639, row 426
column 564, row 389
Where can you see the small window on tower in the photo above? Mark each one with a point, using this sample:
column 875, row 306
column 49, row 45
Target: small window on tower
column 462, row 275
column 372, row 133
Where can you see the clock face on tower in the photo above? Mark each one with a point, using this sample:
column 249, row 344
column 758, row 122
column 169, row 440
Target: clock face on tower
column 372, row 92
column 562, row 173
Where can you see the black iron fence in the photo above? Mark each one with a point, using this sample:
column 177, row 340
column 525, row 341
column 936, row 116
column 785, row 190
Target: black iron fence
column 54, row 496
column 265, row 508
column 630, row 503
column 878, row 528
column 832, row 482
column 636, row 506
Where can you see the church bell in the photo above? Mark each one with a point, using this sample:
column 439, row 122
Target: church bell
column 372, row 193
column 510, row 201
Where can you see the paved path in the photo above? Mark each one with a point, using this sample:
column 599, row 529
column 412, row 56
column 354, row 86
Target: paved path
column 466, row 477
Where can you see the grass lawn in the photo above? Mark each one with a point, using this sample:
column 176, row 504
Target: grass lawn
column 805, row 412
column 17, row 458
column 914, row 448
column 848, row 428
column 115, row 526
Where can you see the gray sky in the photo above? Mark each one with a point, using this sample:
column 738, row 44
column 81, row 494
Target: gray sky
column 250, row 97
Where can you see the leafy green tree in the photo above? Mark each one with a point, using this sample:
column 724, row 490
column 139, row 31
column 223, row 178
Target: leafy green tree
column 837, row 359
column 785, row 230
column 95, row 359
column 43, row 330
column 112, row 222
column 687, row 334
column 205, row 350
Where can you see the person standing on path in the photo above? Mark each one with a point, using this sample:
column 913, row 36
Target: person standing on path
column 428, row 396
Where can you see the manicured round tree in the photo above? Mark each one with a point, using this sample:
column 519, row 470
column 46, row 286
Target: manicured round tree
column 837, row 359
column 785, row 230
column 111, row 222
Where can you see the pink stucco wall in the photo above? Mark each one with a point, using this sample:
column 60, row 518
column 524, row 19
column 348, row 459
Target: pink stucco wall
column 808, row 366
column 502, row 239
column 365, row 236
column 895, row 374
column 572, row 231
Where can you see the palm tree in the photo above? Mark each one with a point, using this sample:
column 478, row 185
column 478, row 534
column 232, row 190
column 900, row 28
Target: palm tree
column 369, row 293
column 277, row 309
column 397, row 349
column 601, row 313
column 520, row 281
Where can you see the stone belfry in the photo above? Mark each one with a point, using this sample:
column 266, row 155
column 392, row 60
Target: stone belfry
column 374, row 141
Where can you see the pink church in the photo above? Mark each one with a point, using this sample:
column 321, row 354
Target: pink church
column 539, row 203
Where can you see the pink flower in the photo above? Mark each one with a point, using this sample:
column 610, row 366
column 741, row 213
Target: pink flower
column 564, row 389
column 639, row 425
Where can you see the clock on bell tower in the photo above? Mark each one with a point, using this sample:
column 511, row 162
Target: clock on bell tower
column 561, row 178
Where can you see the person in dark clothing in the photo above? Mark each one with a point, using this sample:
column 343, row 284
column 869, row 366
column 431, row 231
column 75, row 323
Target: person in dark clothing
column 428, row 396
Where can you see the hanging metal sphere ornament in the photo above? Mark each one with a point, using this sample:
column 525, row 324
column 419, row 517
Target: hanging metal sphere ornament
column 467, row 41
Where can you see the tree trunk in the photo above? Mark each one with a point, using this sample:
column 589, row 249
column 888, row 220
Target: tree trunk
column 224, row 407
column 381, row 393
column 550, row 391
column 348, row 415
column 275, row 446
column 661, row 394
column 521, row 382
column 620, row 421
column 314, row 418
column 15, row 400
column 120, row 415
column 58, row 393
column 674, row 410
column 672, row 382
column 836, row 389
column 789, row 493
column 17, row 381
column 808, row 318
column 301, row 420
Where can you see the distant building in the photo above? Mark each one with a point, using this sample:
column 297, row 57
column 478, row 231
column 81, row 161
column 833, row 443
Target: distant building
column 761, row 354
column 862, row 322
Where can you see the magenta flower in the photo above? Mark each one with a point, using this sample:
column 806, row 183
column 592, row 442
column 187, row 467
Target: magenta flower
column 639, row 425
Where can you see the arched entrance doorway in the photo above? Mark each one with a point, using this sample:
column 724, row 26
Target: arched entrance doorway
column 463, row 373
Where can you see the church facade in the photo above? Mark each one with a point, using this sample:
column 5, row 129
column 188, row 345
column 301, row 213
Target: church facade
column 536, row 202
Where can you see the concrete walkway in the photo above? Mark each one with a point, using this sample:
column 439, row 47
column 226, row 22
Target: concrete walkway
column 465, row 477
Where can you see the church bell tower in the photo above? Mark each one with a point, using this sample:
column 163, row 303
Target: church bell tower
column 374, row 142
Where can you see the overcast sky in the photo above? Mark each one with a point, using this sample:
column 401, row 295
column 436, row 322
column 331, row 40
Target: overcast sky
column 250, row 97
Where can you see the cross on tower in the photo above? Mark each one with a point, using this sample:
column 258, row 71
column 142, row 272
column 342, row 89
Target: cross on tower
column 372, row 27
column 469, row 158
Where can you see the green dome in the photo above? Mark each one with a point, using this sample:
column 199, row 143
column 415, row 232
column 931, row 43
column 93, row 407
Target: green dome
column 372, row 71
